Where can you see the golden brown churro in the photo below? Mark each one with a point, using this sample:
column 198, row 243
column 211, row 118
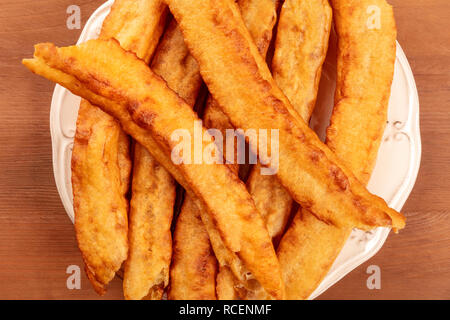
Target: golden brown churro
column 100, row 217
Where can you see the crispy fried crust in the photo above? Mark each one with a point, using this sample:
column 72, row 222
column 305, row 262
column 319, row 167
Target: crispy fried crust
column 259, row 17
column 137, row 25
column 310, row 246
column 96, row 71
column 100, row 217
column 173, row 63
column 272, row 200
column 123, row 158
column 226, row 285
column 194, row 267
column 239, row 79
column 300, row 50
column 306, row 253
column 151, row 208
column 191, row 246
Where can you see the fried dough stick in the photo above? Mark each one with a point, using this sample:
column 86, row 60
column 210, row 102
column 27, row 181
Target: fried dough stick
column 366, row 60
column 103, row 73
column 365, row 73
column 193, row 268
column 100, row 222
column 300, row 50
column 239, row 79
column 150, row 237
column 259, row 17
column 137, row 25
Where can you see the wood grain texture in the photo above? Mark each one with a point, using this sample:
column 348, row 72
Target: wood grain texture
column 38, row 241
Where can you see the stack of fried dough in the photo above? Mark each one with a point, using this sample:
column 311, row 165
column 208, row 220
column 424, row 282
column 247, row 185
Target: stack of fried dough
column 234, row 236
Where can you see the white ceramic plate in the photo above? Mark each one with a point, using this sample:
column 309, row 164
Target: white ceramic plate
column 395, row 171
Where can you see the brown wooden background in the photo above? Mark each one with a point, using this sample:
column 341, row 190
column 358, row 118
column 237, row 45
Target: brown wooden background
column 37, row 240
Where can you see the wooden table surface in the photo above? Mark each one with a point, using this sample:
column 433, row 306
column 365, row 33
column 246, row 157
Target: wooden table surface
column 37, row 240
